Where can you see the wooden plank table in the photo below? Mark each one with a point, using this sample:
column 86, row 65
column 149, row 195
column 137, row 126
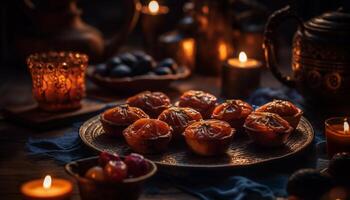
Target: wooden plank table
column 17, row 167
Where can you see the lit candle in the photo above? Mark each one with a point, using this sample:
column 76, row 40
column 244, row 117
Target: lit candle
column 240, row 76
column 243, row 62
column 337, row 135
column 153, row 8
column 47, row 189
column 58, row 79
column 153, row 19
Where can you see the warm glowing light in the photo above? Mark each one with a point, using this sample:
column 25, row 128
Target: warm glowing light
column 188, row 46
column 346, row 126
column 47, row 182
column 153, row 6
column 223, row 51
column 242, row 57
column 205, row 9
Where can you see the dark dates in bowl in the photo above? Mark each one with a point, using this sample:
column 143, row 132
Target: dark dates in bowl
column 136, row 71
column 110, row 176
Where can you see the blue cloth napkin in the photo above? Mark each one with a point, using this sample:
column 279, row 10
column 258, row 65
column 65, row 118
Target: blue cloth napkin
column 69, row 147
column 63, row 149
column 235, row 188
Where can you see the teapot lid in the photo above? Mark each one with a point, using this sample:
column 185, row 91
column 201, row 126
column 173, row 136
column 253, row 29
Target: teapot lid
column 336, row 21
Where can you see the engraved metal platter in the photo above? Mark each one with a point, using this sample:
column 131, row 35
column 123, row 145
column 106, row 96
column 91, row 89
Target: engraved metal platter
column 242, row 152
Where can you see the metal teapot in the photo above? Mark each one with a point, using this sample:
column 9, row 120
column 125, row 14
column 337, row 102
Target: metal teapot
column 57, row 25
column 320, row 58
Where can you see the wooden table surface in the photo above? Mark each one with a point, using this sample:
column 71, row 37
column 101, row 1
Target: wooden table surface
column 17, row 167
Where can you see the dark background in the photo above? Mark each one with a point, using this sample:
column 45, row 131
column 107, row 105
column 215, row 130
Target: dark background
column 107, row 15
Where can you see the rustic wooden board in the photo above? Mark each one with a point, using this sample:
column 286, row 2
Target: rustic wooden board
column 32, row 116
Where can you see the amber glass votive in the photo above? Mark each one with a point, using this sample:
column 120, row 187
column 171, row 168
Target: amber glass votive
column 58, row 79
column 337, row 135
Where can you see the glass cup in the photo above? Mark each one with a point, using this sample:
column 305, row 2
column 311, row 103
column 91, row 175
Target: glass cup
column 58, row 79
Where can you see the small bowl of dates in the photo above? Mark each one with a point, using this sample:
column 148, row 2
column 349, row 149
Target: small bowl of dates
column 135, row 71
column 110, row 176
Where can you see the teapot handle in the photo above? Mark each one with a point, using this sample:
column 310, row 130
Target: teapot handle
column 269, row 42
column 133, row 8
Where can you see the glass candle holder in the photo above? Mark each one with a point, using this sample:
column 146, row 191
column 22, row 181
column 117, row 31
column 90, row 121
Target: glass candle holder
column 58, row 79
column 337, row 135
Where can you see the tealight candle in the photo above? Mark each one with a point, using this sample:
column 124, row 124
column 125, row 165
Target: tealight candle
column 47, row 189
column 240, row 76
column 153, row 17
column 337, row 135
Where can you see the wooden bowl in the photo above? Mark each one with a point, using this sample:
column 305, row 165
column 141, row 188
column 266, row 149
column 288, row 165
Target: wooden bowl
column 137, row 83
column 128, row 189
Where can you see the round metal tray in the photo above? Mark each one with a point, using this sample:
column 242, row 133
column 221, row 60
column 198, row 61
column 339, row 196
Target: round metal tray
column 242, row 152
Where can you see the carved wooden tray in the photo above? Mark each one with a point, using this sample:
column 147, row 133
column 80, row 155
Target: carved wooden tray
column 242, row 152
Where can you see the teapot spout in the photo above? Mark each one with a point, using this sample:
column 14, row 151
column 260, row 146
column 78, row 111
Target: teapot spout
column 132, row 8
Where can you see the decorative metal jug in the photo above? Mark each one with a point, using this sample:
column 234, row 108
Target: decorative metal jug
column 58, row 26
column 321, row 55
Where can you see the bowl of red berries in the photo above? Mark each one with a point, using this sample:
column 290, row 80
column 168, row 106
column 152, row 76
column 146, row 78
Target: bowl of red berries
column 110, row 176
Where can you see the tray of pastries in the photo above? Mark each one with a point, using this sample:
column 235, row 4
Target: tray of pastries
column 132, row 71
column 198, row 131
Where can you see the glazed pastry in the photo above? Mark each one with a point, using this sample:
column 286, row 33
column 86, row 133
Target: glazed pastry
column 267, row 129
column 285, row 109
column 234, row 112
column 148, row 136
column 116, row 119
column 179, row 118
column 201, row 101
column 209, row 137
column 153, row 103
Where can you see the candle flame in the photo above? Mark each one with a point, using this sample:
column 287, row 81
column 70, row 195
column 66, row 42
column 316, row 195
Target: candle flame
column 47, row 182
column 346, row 126
column 242, row 57
column 153, row 6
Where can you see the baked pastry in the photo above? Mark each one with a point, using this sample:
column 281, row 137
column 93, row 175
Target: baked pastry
column 153, row 103
column 285, row 109
column 179, row 118
column 148, row 136
column 234, row 112
column 267, row 129
column 116, row 119
column 201, row 101
column 209, row 137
